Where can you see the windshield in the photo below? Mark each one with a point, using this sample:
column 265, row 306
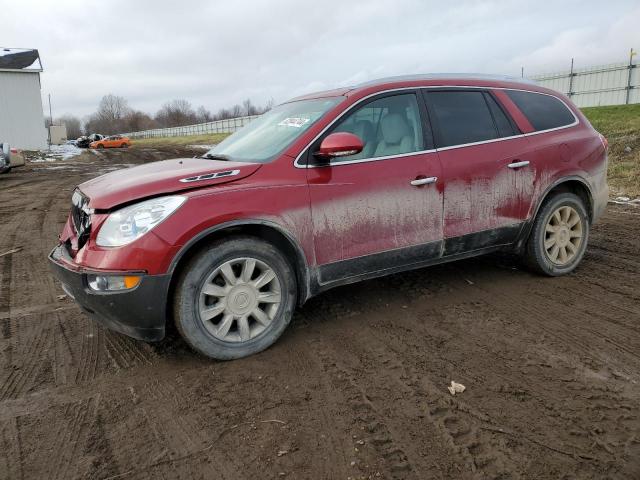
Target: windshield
column 271, row 133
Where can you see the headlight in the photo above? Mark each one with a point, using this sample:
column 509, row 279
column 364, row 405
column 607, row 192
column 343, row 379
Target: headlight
column 130, row 223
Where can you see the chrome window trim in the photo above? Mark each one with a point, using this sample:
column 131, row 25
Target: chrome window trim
column 371, row 159
column 451, row 147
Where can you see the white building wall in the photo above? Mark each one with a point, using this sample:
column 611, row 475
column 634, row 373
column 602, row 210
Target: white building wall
column 21, row 118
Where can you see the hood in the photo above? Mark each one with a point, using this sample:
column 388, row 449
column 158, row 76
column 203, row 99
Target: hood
column 157, row 178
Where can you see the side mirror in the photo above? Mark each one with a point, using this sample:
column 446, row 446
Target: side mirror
column 339, row 144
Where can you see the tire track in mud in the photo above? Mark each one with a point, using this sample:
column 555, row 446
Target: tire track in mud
column 304, row 364
column 61, row 445
column 477, row 298
column 20, row 377
column 11, row 450
column 90, row 348
column 479, row 437
column 179, row 433
column 367, row 419
column 419, row 408
column 75, row 433
column 547, row 319
column 126, row 353
column 580, row 340
column 345, row 363
column 5, row 290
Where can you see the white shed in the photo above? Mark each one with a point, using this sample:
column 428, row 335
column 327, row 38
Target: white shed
column 21, row 118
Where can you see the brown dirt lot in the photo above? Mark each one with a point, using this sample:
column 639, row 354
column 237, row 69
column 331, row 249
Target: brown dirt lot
column 356, row 388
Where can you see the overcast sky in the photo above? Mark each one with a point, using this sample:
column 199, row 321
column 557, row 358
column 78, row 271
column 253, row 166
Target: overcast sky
column 217, row 53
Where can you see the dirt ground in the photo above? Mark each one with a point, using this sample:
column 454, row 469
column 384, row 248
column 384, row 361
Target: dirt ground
column 356, row 388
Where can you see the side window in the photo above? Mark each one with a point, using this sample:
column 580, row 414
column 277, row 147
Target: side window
column 504, row 126
column 543, row 111
column 387, row 126
column 462, row 117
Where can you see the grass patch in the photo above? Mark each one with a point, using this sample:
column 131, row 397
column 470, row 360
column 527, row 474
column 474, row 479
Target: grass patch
column 208, row 139
column 621, row 125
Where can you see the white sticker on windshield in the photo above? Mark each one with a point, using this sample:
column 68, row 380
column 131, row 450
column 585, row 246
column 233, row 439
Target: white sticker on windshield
column 296, row 122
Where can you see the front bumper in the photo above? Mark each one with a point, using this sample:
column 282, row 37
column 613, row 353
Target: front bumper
column 139, row 313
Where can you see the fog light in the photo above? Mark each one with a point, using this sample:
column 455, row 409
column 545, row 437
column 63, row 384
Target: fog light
column 110, row 283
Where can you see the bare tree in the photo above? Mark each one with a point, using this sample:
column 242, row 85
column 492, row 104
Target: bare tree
column 203, row 115
column 249, row 108
column 113, row 107
column 236, row 111
column 109, row 118
column 176, row 113
column 135, row 121
column 222, row 114
column 268, row 106
column 115, row 116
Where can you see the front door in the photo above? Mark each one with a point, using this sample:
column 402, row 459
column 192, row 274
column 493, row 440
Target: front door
column 487, row 173
column 381, row 208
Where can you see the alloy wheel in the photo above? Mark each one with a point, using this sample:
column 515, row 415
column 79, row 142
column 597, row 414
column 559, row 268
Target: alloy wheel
column 239, row 299
column 563, row 235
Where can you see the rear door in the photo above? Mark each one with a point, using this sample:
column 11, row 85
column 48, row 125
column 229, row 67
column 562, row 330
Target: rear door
column 487, row 171
column 367, row 215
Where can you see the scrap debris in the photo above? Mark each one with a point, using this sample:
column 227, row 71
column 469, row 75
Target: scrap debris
column 456, row 388
column 9, row 252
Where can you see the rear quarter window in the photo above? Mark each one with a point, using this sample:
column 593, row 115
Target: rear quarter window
column 462, row 117
column 544, row 112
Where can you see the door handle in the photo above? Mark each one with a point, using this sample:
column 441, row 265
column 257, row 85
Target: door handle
column 521, row 164
column 423, row 181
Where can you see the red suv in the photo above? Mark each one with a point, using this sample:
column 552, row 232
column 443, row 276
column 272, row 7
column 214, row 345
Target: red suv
column 329, row 189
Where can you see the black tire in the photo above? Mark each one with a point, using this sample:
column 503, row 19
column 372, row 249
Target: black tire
column 124, row 145
column 5, row 170
column 535, row 256
column 196, row 272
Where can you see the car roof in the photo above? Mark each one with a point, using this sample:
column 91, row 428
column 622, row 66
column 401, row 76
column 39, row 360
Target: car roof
column 430, row 80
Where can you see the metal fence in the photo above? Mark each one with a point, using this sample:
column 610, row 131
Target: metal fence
column 613, row 84
column 219, row 126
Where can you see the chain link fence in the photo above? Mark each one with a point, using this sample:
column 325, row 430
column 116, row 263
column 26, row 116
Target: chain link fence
column 229, row 125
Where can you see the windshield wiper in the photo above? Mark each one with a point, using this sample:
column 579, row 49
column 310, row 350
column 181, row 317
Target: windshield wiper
column 213, row 156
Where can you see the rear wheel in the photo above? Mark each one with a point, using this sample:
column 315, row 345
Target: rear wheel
column 559, row 236
column 235, row 298
column 124, row 145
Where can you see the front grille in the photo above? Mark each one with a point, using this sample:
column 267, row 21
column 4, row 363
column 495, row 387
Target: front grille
column 81, row 216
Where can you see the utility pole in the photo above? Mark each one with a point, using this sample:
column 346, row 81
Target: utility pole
column 50, row 114
column 521, row 72
column 631, row 67
column 50, row 120
column 571, row 80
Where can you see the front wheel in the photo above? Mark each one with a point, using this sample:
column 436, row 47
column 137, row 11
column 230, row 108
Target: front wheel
column 235, row 298
column 559, row 236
